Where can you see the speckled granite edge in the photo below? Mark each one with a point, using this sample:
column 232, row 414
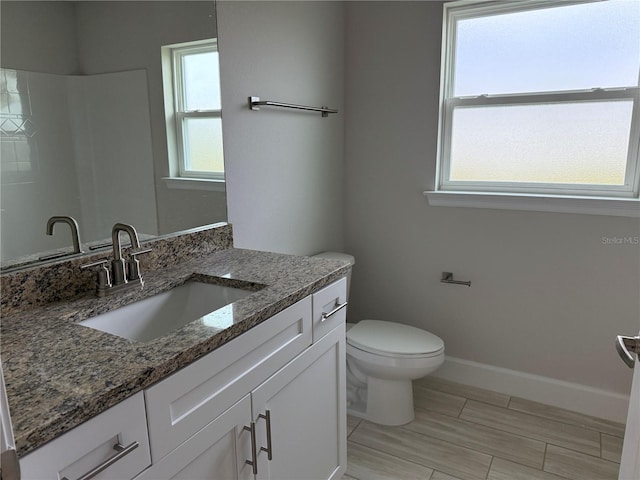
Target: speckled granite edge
column 64, row 280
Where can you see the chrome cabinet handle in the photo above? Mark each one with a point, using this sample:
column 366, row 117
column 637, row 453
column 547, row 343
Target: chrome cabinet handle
column 254, row 454
column 626, row 345
column 269, row 450
column 122, row 452
column 337, row 308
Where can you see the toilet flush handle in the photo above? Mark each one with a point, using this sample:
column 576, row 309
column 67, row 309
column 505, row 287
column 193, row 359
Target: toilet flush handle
column 338, row 306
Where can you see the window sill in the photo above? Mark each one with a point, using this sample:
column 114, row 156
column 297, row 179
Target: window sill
column 195, row 184
column 621, row 207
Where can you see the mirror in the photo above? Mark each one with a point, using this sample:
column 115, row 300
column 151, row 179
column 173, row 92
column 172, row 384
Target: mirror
column 84, row 131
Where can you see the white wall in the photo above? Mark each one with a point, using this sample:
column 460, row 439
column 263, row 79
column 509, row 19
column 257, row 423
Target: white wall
column 547, row 297
column 284, row 168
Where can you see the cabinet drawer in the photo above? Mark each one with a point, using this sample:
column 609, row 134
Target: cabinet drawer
column 180, row 405
column 328, row 309
column 91, row 444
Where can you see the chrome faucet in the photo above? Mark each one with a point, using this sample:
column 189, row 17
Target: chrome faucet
column 120, row 278
column 75, row 235
column 118, row 263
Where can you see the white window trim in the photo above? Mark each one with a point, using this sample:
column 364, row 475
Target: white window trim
column 621, row 200
column 184, row 183
column 619, row 207
column 179, row 177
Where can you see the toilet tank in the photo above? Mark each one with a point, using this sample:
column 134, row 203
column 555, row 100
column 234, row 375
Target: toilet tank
column 339, row 256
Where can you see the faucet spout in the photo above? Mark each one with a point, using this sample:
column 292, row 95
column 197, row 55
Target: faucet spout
column 75, row 235
column 115, row 238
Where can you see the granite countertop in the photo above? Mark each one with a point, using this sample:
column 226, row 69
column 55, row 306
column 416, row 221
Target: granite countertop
column 59, row 374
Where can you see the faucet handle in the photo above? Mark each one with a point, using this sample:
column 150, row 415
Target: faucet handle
column 94, row 264
column 103, row 278
column 133, row 265
column 133, row 254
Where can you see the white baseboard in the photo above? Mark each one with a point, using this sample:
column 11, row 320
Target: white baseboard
column 572, row 396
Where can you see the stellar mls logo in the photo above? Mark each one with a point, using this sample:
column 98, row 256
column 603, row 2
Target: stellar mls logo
column 620, row 240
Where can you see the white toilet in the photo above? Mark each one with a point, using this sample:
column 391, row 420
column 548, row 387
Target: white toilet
column 383, row 358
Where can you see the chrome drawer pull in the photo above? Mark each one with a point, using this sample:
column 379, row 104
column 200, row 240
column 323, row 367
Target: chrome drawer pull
column 337, row 308
column 122, row 452
column 254, row 454
column 269, row 450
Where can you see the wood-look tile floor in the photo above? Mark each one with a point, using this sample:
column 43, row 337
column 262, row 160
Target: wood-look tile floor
column 466, row 433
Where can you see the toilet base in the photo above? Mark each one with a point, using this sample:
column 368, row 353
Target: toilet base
column 389, row 402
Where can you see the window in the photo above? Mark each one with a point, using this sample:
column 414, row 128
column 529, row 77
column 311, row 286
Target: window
column 193, row 111
column 540, row 98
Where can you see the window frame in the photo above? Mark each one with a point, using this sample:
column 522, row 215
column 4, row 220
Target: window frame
column 461, row 10
column 177, row 115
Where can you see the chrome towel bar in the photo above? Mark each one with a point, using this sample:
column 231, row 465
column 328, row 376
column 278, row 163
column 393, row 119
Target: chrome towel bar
column 447, row 277
column 255, row 103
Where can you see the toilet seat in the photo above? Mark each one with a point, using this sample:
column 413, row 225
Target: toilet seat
column 394, row 340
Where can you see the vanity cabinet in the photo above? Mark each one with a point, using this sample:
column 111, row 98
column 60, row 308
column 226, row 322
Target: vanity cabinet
column 90, row 446
column 269, row 404
column 284, row 379
column 298, row 419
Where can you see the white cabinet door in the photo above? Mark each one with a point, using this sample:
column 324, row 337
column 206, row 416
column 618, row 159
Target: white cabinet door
column 307, row 407
column 217, row 452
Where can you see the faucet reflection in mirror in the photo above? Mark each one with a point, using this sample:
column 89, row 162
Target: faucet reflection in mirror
column 119, row 278
column 75, row 235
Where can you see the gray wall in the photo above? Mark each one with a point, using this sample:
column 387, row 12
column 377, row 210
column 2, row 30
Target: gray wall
column 52, row 49
column 548, row 298
column 284, row 168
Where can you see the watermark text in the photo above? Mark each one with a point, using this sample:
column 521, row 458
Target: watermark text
column 621, row 240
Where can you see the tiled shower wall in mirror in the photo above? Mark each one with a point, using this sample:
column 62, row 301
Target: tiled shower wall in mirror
column 77, row 146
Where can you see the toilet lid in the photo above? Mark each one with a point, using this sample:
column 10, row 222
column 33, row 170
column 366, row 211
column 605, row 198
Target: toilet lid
column 387, row 338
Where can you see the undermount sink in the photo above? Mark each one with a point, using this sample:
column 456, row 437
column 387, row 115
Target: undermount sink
column 155, row 316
